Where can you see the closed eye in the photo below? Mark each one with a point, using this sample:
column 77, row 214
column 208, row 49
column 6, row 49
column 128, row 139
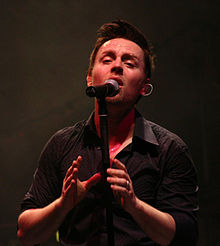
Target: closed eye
column 130, row 64
column 106, row 61
column 131, row 61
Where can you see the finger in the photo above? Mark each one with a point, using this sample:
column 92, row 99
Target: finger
column 79, row 160
column 117, row 173
column 120, row 165
column 72, row 185
column 76, row 163
column 68, row 173
column 93, row 180
column 75, row 173
column 120, row 190
column 70, row 178
column 119, row 182
column 121, row 194
column 67, row 181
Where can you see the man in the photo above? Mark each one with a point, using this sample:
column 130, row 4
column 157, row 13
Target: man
column 152, row 176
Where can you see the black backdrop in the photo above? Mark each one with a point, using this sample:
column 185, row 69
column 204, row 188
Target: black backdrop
column 45, row 46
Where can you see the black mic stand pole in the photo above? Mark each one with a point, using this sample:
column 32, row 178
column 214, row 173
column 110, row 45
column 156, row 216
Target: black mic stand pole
column 106, row 164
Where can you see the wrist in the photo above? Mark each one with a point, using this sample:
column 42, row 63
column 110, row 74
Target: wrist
column 133, row 205
column 61, row 208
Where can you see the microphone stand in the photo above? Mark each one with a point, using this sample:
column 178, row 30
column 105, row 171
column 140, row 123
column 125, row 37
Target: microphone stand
column 106, row 164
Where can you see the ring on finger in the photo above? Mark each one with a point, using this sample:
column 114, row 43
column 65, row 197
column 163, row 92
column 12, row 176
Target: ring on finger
column 127, row 184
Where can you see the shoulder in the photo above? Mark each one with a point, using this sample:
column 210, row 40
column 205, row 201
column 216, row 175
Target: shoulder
column 174, row 152
column 63, row 139
column 69, row 132
column 167, row 138
column 155, row 134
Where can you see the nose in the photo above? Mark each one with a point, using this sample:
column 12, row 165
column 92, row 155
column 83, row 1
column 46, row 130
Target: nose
column 117, row 67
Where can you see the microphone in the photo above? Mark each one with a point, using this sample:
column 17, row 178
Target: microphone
column 109, row 89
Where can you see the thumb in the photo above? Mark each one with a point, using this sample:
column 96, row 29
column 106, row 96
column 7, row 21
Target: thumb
column 93, row 181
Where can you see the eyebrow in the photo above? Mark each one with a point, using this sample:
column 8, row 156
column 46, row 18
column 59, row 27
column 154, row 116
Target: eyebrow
column 130, row 57
column 125, row 56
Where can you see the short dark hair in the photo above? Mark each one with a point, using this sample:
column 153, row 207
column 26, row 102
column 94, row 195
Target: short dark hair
column 122, row 29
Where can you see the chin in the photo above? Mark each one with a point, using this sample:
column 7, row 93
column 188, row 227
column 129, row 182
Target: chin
column 114, row 100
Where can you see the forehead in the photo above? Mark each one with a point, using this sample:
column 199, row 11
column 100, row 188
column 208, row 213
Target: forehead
column 122, row 46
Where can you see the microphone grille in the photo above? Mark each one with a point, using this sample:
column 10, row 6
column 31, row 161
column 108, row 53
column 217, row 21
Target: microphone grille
column 113, row 82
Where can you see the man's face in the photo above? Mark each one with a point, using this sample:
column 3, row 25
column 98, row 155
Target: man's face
column 122, row 60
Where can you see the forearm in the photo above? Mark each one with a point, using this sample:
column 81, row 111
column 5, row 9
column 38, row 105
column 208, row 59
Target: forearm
column 159, row 226
column 37, row 225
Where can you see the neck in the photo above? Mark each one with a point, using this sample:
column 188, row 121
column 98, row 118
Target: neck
column 120, row 125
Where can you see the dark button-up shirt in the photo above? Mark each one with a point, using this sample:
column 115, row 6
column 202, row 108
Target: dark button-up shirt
column 160, row 167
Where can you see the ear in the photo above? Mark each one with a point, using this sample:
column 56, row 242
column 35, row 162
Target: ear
column 145, row 87
column 89, row 80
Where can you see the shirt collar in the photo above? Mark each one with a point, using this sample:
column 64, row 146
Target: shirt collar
column 142, row 130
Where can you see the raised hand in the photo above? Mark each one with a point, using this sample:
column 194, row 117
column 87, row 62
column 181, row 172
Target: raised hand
column 74, row 190
column 121, row 185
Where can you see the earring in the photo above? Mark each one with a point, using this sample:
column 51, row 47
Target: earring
column 149, row 91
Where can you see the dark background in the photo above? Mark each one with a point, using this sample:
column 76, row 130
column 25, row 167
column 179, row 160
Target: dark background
column 44, row 48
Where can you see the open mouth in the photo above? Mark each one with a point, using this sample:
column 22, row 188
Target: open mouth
column 120, row 82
